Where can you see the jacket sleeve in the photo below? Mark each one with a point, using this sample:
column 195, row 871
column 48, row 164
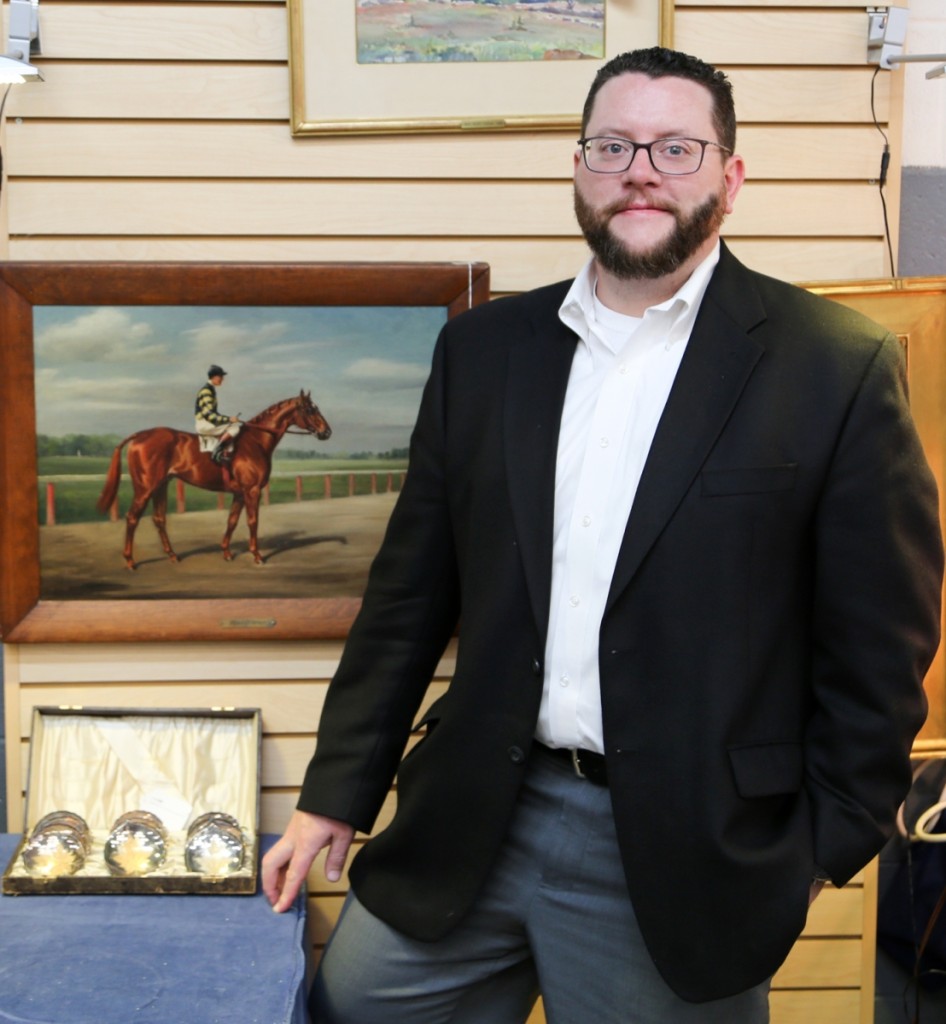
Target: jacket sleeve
column 409, row 612
column 206, row 407
column 875, row 621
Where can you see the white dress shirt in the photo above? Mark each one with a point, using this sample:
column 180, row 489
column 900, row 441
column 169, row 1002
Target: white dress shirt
column 620, row 379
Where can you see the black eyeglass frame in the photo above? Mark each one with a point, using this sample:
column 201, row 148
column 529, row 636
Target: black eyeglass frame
column 583, row 142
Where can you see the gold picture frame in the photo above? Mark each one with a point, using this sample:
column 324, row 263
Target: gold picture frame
column 914, row 309
column 332, row 95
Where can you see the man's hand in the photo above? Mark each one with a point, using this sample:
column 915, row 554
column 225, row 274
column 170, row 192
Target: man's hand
column 285, row 867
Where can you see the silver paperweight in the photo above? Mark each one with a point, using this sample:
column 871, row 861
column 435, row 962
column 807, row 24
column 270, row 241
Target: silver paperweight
column 137, row 844
column 215, row 845
column 58, row 845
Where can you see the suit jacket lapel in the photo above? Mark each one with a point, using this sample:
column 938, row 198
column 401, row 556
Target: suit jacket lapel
column 719, row 359
column 535, row 391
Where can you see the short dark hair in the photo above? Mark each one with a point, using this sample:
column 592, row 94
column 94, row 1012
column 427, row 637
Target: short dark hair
column 659, row 62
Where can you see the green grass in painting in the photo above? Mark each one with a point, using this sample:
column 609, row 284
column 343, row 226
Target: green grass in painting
column 419, row 31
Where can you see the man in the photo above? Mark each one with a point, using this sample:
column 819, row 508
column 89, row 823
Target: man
column 682, row 517
column 213, row 428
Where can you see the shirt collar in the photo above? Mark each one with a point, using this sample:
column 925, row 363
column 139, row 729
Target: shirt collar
column 577, row 309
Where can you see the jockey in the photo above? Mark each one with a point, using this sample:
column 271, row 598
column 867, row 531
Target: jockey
column 212, row 424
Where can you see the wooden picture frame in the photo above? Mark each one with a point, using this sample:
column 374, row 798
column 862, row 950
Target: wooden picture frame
column 331, row 94
column 25, row 616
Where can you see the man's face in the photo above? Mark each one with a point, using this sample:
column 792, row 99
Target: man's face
column 640, row 223
column 216, row 380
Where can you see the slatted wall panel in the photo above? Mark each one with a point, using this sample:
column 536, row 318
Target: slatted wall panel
column 827, row 979
column 286, row 681
column 162, row 132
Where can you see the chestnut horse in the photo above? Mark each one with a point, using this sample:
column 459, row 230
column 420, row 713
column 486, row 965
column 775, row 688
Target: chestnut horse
column 157, row 455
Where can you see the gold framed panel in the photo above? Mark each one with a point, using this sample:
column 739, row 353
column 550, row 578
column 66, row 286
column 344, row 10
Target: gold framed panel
column 332, row 95
column 914, row 309
column 273, row 609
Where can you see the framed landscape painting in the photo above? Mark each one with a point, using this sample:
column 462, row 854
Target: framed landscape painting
column 456, row 65
column 117, row 526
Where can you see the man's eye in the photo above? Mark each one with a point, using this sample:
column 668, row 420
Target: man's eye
column 675, row 149
column 613, row 148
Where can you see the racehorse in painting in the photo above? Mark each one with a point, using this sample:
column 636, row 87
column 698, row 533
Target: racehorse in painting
column 160, row 454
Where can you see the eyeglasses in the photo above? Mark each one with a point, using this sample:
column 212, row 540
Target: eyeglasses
column 605, row 154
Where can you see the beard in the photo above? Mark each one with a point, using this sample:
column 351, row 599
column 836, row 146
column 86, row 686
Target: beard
column 688, row 234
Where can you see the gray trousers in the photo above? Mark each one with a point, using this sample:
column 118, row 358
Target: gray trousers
column 554, row 917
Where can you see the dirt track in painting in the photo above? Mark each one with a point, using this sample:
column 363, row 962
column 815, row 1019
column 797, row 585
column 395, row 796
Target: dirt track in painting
column 310, row 548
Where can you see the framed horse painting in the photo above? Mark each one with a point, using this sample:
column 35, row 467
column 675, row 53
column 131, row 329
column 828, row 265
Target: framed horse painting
column 206, row 451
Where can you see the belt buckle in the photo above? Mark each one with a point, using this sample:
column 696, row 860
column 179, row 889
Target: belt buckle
column 576, row 764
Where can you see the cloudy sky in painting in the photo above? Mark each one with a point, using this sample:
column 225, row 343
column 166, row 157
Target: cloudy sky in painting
column 104, row 370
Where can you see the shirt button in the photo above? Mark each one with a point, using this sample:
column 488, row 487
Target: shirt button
column 574, row 600
column 586, row 520
column 563, row 680
column 604, row 442
column 622, row 368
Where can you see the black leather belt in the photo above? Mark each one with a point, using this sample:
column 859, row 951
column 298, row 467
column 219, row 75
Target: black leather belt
column 586, row 764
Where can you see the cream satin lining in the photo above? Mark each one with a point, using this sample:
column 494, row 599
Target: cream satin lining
column 176, row 766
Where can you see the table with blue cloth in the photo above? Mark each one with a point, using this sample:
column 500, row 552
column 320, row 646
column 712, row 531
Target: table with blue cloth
column 150, row 959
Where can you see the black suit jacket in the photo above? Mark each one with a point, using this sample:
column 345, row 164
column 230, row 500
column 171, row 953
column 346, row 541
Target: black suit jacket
column 773, row 611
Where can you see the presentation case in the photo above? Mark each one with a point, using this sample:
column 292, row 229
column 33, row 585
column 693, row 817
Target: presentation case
column 101, row 763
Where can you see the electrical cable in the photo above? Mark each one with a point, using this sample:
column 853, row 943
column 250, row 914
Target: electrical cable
column 882, row 177
column 3, row 103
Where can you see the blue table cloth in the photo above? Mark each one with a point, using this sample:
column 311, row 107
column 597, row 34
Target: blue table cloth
column 150, row 959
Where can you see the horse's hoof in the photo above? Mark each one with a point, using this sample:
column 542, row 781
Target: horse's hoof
column 227, row 556
column 130, row 566
column 172, row 557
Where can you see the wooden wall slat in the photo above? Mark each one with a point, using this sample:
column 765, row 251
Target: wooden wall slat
column 837, row 912
column 233, row 91
column 177, row 31
column 837, row 95
column 91, row 664
column 231, row 150
column 767, row 36
column 821, row 963
column 285, row 706
column 770, row 208
column 815, row 1007
column 94, row 664
column 516, row 264
column 143, row 93
column 384, row 209
column 276, row 806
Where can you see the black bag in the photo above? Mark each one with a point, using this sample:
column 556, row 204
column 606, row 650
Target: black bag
column 911, row 919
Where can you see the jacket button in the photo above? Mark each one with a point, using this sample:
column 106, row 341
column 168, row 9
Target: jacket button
column 516, row 755
column 536, row 667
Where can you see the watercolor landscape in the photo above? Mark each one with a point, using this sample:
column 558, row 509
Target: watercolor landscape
column 449, row 31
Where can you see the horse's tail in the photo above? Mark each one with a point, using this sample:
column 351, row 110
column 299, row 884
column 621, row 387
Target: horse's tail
column 110, row 490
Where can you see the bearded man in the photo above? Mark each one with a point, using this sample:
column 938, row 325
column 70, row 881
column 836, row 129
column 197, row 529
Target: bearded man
column 680, row 517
